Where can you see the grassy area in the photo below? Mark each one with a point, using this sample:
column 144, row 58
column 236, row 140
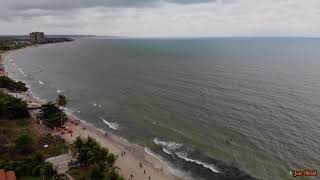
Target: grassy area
column 13, row 152
column 11, row 129
column 56, row 147
column 80, row 174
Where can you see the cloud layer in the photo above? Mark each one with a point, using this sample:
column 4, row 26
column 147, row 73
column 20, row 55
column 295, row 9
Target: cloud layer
column 162, row 17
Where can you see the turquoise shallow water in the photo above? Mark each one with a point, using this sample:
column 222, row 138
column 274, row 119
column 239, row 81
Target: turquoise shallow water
column 239, row 106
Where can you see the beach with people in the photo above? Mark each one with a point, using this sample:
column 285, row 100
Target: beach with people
column 133, row 161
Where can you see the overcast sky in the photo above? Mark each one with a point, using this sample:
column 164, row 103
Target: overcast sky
column 162, row 17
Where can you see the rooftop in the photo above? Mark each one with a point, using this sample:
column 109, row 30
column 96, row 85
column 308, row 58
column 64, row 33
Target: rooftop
column 7, row 175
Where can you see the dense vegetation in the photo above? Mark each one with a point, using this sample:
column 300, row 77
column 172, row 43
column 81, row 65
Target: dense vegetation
column 52, row 115
column 33, row 166
column 12, row 108
column 21, row 149
column 8, row 83
column 10, row 45
column 97, row 161
column 23, row 143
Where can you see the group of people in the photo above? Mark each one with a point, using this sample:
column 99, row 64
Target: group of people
column 140, row 165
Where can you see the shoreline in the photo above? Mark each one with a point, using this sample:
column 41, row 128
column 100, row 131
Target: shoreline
column 153, row 165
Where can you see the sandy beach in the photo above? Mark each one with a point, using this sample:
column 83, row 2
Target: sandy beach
column 128, row 164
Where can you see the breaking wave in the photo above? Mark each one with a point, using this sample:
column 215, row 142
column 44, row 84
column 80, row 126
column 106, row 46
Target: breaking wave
column 206, row 165
column 179, row 150
column 112, row 125
column 40, row 82
column 169, row 146
column 166, row 151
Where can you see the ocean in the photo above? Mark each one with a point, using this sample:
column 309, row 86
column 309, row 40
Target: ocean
column 216, row 108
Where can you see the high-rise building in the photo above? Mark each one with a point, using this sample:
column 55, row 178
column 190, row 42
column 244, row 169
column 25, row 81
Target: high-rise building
column 37, row 37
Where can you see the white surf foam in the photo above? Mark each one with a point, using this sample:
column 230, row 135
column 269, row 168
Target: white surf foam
column 40, row 82
column 38, row 98
column 171, row 146
column 112, row 125
column 172, row 170
column 166, row 151
column 58, row 91
column 206, row 165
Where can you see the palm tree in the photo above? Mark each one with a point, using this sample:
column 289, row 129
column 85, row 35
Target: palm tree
column 61, row 100
column 111, row 159
column 97, row 173
column 112, row 174
column 80, row 151
column 52, row 115
column 77, row 144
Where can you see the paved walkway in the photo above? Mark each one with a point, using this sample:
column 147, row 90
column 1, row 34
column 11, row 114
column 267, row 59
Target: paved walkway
column 60, row 162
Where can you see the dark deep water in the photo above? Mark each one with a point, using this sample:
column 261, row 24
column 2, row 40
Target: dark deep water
column 249, row 103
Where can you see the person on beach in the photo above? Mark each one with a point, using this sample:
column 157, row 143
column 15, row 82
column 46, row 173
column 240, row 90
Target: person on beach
column 149, row 177
column 144, row 171
column 131, row 176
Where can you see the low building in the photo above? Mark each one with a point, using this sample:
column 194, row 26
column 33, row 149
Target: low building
column 37, row 37
column 7, row 175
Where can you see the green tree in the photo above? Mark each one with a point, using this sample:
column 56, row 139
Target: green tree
column 23, row 143
column 111, row 159
column 89, row 153
column 80, row 151
column 112, row 174
column 62, row 100
column 8, row 83
column 12, row 108
column 52, row 115
column 48, row 172
column 97, row 173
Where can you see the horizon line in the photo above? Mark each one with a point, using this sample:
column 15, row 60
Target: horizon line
column 162, row 37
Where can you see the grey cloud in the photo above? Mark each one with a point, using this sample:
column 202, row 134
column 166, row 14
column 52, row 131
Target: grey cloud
column 10, row 9
column 71, row 4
